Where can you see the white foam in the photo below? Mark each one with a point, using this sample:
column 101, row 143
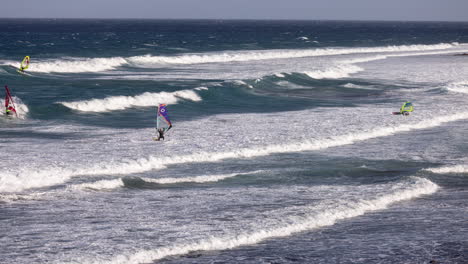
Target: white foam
column 99, row 185
column 336, row 72
column 113, row 103
column 236, row 56
column 242, row 83
column 199, row 179
column 30, row 178
column 461, row 168
column 71, row 65
column 12, row 197
column 21, row 109
column 355, row 86
column 118, row 183
column 202, row 88
column 281, row 228
column 345, row 68
column 279, row 75
column 458, row 87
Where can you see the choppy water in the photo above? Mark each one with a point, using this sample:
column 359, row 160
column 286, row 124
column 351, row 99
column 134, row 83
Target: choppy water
column 284, row 149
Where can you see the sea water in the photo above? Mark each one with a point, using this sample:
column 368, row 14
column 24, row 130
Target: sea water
column 283, row 149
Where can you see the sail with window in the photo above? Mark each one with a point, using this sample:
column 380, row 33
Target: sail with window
column 163, row 123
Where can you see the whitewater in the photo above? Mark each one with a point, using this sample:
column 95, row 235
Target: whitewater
column 283, row 148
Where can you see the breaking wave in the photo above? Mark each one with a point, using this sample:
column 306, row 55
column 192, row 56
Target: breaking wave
column 118, row 183
column 27, row 178
column 231, row 56
column 21, row 109
column 340, row 210
column 340, row 71
column 458, row 87
column 80, row 65
column 450, row 169
column 75, row 65
column 113, row 103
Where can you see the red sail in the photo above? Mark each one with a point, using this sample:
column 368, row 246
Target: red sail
column 9, row 105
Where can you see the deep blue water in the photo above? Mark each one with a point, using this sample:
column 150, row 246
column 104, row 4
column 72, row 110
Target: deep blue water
column 283, row 150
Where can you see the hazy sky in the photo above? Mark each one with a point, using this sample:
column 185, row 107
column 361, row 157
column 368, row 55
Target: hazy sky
column 428, row 10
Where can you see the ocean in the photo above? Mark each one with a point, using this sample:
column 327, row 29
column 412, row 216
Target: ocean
column 284, row 148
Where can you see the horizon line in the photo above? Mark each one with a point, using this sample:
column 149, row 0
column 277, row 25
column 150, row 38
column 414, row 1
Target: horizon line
column 234, row 19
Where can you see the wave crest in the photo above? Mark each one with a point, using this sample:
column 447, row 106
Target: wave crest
column 113, row 103
column 231, row 56
column 309, row 220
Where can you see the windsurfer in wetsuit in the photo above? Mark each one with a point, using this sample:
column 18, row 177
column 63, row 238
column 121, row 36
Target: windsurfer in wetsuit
column 161, row 134
column 406, row 108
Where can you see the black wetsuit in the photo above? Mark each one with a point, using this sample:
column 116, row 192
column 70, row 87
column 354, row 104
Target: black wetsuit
column 161, row 134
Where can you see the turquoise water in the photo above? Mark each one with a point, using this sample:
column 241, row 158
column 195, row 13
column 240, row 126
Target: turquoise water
column 284, row 148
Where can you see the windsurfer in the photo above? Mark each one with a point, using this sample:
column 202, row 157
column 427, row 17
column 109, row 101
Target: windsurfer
column 163, row 124
column 161, row 134
column 10, row 110
column 24, row 64
column 9, row 105
column 406, row 108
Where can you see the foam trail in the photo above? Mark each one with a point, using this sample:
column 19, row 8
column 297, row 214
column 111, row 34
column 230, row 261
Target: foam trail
column 199, row 179
column 118, row 183
column 113, row 103
column 449, row 169
column 99, row 185
column 346, row 68
column 27, row 178
column 11, row 197
column 284, row 228
column 231, row 56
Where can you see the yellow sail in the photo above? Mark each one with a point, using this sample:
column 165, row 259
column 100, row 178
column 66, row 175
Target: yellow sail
column 24, row 63
column 406, row 107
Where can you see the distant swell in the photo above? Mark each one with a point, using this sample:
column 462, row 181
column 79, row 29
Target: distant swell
column 81, row 65
column 341, row 210
column 113, row 103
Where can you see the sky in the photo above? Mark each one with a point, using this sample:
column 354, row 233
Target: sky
column 406, row 10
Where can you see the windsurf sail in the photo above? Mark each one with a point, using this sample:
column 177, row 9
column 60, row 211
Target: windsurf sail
column 407, row 107
column 162, row 121
column 24, row 63
column 9, row 104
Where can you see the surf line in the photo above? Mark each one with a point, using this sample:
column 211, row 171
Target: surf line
column 415, row 188
column 122, row 102
column 454, row 169
column 41, row 178
column 118, row 183
column 157, row 162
